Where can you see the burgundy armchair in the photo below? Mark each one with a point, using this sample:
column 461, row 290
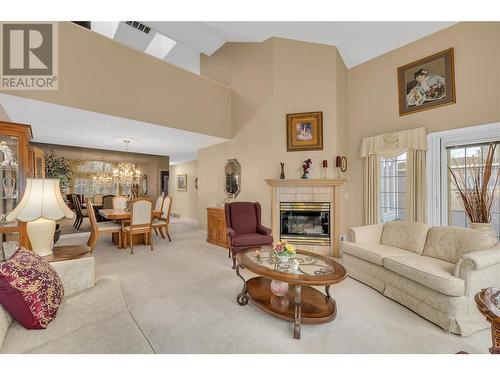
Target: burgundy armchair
column 244, row 228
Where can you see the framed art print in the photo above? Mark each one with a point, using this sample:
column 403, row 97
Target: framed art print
column 427, row 83
column 304, row 131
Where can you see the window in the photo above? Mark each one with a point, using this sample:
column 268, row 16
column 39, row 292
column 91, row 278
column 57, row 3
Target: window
column 393, row 188
column 83, row 178
column 460, row 159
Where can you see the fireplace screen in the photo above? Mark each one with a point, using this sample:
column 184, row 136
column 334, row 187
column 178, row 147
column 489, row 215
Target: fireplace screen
column 307, row 223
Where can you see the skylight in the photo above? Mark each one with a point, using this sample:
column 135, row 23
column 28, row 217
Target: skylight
column 160, row 46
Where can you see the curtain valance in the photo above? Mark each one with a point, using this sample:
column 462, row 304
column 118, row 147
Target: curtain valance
column 393, row 144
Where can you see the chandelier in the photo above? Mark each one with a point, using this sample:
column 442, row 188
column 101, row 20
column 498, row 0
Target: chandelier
column 102, row 178
column 126, row 174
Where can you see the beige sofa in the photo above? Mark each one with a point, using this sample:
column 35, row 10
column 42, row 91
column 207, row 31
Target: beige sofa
column 435, row 271
column 93, row 318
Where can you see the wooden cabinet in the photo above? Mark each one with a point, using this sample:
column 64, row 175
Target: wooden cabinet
column 14, row 169
column 37, row 162
column 216, row 227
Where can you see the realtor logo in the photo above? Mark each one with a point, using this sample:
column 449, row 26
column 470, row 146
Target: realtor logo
column 28, row 56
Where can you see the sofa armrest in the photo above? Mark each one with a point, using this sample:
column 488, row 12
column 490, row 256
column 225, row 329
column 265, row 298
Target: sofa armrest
column 367, row 234
column 231, row 232
column 263, row 230
column 76, row 275
column 477, row 260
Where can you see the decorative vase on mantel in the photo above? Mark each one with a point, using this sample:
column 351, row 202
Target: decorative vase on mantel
column 485, row 228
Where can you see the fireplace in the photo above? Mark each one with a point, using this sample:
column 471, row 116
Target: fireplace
column 305, row 222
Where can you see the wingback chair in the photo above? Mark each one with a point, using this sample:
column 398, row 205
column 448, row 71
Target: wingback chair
column 243, row 227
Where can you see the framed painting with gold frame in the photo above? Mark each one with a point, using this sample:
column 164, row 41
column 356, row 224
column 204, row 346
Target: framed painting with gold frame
column 304, row 131
column 427, row 83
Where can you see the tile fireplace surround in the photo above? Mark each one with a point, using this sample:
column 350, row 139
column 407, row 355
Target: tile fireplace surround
column 304, row 191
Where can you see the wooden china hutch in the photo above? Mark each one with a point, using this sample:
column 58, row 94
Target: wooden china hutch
column 16, row 164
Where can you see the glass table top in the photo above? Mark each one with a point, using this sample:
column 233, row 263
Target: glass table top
column 308, row 264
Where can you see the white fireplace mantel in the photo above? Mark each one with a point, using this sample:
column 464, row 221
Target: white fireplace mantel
column 308, row 190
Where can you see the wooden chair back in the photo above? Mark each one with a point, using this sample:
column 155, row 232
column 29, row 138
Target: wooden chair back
column 97, row 198
column 93, row 226
column 107, row 201
column 159, row 203
column 119, row 202
column 141, row 212
column 167, row 207
column 77, row 205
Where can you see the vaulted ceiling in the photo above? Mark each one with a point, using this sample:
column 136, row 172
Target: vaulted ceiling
column 181, row 43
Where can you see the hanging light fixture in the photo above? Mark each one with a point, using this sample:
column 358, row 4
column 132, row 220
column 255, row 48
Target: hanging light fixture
column 126, row 174
column 102, row 178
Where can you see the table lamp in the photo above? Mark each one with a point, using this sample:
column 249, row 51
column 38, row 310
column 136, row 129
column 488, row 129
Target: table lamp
column 40, row 206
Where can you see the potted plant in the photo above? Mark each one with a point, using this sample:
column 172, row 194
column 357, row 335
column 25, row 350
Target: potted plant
column 58, row 167
column 475, row 194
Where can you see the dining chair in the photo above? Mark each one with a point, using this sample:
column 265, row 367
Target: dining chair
column 158, row 207
column 119, row 202
column 81, row 213
column 107, row 201
column 141, row 219
column 97, row 199
column 96, row 228
column 163, row 222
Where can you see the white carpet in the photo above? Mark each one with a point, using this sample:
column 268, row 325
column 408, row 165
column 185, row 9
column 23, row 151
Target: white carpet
column 183, row 295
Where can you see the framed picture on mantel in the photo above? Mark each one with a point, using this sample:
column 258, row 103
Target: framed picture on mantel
column 427, row 83
column 304, row 131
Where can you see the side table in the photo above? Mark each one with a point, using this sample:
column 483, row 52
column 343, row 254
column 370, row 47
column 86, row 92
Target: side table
column 488, row 301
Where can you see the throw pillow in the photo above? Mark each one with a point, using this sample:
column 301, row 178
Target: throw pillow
column 30, row 289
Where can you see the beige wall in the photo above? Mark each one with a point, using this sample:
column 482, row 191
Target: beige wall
column 269, row 80
column 184, row 203
column 101, row 75
column 373, row 97
column 147, row 164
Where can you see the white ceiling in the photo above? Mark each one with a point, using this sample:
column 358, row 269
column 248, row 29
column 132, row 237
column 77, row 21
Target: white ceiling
column 357, row 41
column 57, row 124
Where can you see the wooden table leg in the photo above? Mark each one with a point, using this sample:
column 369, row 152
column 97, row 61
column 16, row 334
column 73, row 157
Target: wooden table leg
column 298, row 309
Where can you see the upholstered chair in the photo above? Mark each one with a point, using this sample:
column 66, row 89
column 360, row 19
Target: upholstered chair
column 107, row 201
column 162, row 223
column 102, row 227
column 243, row 227
column 119, row 202
column 159, row 203
column 97, row 199
column 140, row 221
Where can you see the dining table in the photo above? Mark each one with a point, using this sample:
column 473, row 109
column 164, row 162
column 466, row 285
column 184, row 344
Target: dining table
column 124, row 215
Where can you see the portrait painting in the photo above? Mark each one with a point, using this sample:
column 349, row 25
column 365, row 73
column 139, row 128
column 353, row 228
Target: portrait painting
column 304, row 131
column 182, row 182
column 427, row 83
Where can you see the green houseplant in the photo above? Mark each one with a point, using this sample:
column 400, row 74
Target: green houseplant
column 58, row 167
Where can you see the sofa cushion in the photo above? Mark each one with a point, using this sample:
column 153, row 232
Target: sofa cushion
column 405, row 235
column 451, row 243
column 430, row 272
column 251, row 239
column 85, row 322
column 30, row 289
column 374, row 253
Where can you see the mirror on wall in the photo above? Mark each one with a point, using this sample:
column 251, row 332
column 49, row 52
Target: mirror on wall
column 232, row 178
column 145, row 185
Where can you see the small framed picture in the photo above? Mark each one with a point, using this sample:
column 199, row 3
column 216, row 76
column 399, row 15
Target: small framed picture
column 427, row 83
column 181, row 182
column 304, row 131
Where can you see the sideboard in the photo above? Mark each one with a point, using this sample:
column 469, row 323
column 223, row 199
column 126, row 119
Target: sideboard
column 216, row 227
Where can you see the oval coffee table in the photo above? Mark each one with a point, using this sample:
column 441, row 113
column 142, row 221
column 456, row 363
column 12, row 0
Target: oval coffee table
column 302, row 303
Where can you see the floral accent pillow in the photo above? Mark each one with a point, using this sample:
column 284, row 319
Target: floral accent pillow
column 30, row 289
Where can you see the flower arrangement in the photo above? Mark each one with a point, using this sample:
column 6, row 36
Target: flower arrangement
column 284, row 249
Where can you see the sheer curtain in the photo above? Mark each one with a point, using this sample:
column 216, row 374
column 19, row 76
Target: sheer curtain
column 390, row 145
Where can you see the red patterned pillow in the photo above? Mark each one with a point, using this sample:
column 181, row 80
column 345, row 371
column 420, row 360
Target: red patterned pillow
column 30, row 289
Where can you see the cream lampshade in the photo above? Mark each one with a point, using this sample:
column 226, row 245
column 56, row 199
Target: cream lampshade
column 40, row 206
